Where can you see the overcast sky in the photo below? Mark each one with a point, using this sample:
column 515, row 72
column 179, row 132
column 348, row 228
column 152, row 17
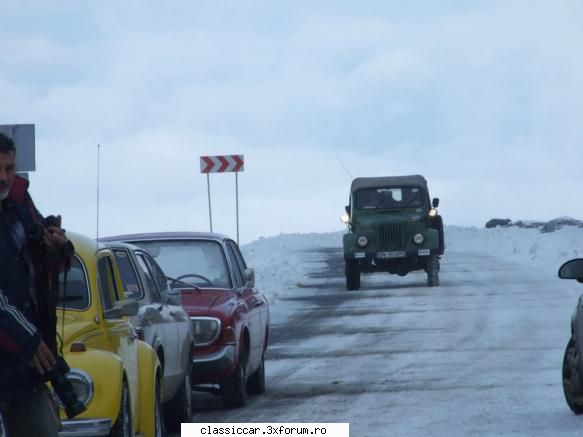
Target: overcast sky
column 484, row 98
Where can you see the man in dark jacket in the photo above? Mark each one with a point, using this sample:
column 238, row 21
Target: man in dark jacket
column 27, row 305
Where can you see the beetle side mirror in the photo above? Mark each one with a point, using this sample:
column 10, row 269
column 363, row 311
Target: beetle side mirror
column 249, row 278
column 572, row 269
column 435, row 202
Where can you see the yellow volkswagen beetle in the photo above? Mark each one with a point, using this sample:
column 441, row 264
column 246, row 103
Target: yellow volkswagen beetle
column 115, row 375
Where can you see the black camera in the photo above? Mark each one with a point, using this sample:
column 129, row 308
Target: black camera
column 36, row 231
column 64, row 389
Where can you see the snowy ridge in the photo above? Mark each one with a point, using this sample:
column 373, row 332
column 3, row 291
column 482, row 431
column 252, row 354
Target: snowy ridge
column 277, row 260
column 545, row 251
column 278, row 267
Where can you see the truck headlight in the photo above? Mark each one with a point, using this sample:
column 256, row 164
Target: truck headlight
column 362, row 241
column 432, row 212
column 206, row 330
column 344, row 218
column 418, row 238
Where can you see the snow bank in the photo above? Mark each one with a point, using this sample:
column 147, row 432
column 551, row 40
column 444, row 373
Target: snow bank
column 280, row 262
column 543, row 250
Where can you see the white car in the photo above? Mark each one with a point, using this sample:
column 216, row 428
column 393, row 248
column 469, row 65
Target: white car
column 163, row 324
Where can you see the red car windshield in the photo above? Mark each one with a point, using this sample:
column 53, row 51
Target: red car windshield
column 197, row 262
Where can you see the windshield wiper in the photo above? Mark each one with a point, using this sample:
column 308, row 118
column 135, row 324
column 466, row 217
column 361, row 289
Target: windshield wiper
column 196, row 287
column 410, row 202
column 383, row 198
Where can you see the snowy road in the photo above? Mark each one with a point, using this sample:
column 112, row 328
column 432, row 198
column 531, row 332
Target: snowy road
column 479, row 355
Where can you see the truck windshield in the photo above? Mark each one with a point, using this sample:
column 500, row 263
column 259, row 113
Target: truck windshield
column 389, row 198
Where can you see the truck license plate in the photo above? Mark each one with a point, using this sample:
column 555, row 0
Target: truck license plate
column 394, row 254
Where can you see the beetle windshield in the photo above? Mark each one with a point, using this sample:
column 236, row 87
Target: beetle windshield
column 197, row 262
column 389, row 198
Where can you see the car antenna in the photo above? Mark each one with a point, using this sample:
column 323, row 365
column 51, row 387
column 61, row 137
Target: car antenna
column 97, row 218
column 344, row 167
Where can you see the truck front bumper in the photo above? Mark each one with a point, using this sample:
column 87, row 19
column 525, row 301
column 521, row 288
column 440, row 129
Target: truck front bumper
column 389, row 255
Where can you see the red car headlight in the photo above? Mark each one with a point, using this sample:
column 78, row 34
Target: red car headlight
column 206, row 330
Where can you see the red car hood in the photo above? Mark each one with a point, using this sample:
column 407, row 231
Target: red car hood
column 200, row 302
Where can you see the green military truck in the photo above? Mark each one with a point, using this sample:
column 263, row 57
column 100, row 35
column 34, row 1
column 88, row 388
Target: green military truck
column 392, row 227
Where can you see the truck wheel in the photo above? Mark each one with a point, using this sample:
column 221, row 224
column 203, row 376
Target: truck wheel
column 433, row 271
column 571, row 379
column 352, row 276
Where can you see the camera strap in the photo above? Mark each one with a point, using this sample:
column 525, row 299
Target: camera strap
column 58, row 298
column 7, row 230
column 63, row 303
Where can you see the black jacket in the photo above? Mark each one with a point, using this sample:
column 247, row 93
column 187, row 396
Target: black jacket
column 23, row 323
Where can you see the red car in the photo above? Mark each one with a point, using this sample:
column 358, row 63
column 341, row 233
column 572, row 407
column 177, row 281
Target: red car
column 230, row 317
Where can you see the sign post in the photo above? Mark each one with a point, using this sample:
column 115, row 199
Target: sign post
column 223, row 164
column 208, row 186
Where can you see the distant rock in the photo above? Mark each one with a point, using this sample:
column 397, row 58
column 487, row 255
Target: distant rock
column 498, row 222
column 558, row 223
column 544, row 227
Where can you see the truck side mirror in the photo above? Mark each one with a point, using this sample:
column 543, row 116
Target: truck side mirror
column 435, row 202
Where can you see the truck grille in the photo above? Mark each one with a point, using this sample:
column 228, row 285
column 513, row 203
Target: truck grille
column 391, row 237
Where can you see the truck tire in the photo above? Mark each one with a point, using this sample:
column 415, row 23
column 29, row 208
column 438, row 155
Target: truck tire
column 352, row 276
column 433, row 271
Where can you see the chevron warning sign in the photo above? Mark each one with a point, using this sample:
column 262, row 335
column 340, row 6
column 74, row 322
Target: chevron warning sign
column 222, row 164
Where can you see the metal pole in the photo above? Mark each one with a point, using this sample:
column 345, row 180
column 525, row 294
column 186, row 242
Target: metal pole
column 237, row 202
column 208, row 184
column 97, row 218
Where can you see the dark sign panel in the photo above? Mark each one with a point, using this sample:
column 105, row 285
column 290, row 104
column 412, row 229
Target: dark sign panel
column 23, row 136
